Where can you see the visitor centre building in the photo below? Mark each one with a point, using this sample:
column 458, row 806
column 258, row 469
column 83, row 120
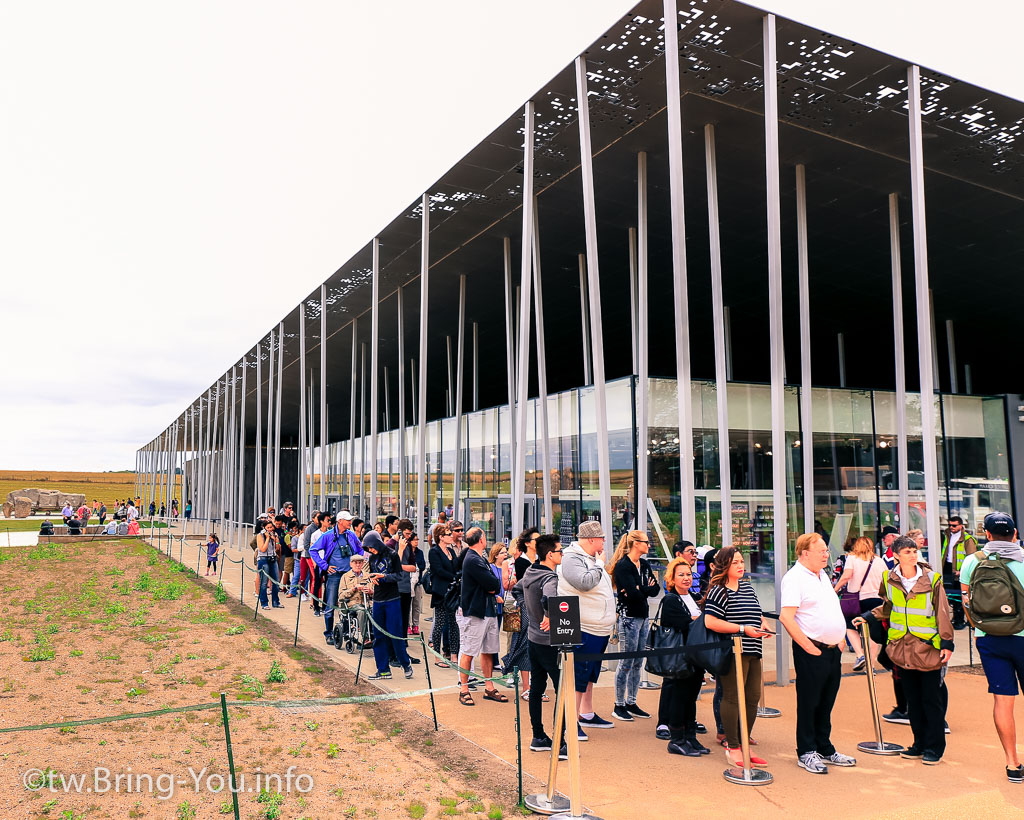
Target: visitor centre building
column 727, row 279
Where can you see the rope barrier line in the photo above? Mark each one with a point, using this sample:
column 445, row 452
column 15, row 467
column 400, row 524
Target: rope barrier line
column 199, row 707
column 650, row 653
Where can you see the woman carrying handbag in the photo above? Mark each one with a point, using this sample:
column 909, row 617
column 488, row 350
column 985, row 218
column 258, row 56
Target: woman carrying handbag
column 861, row 577
column 682, row 677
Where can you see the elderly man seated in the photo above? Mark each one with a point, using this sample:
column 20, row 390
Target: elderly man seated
column 354, row 585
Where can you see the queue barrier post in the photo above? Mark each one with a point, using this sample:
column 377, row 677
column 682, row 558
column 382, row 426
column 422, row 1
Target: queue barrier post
column 746, row 776
column 519, row 733
column 573, row 742
column 876, row 746
column 231, row 757
column 241, row 586
column 764, row 711
column 548, row 802
column 430, row 686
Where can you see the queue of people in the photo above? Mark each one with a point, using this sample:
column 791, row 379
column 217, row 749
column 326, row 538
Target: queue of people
column 471, row 585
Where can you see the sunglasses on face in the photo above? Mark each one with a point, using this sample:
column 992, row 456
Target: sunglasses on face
column 458, row 529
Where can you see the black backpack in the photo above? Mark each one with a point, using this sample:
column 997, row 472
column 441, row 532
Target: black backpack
column 453, row 596
column 996, row 601
column 427, row 582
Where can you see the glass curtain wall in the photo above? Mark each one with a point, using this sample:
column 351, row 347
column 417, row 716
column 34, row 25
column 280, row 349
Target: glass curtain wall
column 854, row 487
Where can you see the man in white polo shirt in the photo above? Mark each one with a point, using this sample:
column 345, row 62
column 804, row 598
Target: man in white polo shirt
column 812, row 616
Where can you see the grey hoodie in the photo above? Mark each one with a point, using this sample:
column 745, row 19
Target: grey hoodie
column 538, row 584
column 582, row 575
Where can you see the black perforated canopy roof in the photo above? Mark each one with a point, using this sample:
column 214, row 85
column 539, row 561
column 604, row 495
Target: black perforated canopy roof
column 843, row 114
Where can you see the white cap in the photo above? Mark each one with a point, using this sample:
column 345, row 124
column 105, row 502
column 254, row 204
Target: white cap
column 344, row 515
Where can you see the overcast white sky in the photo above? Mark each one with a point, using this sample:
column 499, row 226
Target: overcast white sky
column 174, row 177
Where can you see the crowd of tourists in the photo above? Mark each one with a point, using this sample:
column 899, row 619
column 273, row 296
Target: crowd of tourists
column 476, row 590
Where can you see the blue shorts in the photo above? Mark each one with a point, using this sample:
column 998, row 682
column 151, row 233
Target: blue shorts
column 1002, row 658
column 588, row 672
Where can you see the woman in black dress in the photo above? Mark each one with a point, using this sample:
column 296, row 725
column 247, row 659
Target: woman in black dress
column 679, row 695
column 442, row 556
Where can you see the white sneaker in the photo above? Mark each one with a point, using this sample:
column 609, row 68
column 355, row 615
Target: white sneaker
column 812, row 762
column 839, row 759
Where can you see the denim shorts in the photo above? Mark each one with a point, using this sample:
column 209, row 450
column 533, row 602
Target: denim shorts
column 588, row 672
column 1002, row 658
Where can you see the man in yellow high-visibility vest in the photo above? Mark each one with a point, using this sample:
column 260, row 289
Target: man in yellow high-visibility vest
column 957, row 544
column 920, row 643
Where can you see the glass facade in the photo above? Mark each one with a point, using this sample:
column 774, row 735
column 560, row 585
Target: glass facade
column 853, row 487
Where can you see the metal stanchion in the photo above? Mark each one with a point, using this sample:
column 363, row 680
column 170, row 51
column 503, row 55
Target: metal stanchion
column 745, row 776
column 876, row 746
column 573, row 741
column 644, row 682
column 548, row 802
column 762, row 710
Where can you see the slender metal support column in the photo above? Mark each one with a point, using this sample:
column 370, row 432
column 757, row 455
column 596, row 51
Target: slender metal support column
column 523, row 347
column 278, row 499
column 967, row 379
column 351, row 444
column 841, row 352
column 806, row 420
column 954, row 386
column 303, row 500
column 363, row 478
column 374, row 367
column 778, row 395
column 727, row 321
column 450, row 393
column 935, row 337
column 476, row 367
column 542, row 377
column 719, row 316
column 403, row 472
column 212, row 501
column 323, row 397
column 594, row 291
column 421, row 454
column 902, row 475
column 459, row 368
column 268, row 479
column 232, row 456
column 257, row 480
column 510, row 352
column 643, row 358
column 633, row 297
column 926, row 355
column 588, row 377
column 239, row 511
column 687, row 523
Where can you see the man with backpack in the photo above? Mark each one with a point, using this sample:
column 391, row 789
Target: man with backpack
column 992, row 583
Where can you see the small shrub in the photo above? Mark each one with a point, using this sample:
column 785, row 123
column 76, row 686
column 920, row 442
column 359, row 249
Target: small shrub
column 220, row 595
column 253, row 686
column 40, row 653
column 144, row 582
column 332, row 750
column 186, row 811
column 416, row 810
column 272, row 802
column 114, row 608
column 263, row 645
column 236, row 630
column 277, row 675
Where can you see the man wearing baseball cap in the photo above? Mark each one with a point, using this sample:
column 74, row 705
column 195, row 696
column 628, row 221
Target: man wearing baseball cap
column 582, row 573
column 332, row 555
column 1002, row 655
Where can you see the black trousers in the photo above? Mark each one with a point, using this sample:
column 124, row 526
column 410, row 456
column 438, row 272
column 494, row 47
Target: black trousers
column 679, row 696
column 817, row 684
column 952, row 585
column 544, row 665
column 926, row 708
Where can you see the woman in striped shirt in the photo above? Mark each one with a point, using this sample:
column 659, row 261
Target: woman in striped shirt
column 731, row 608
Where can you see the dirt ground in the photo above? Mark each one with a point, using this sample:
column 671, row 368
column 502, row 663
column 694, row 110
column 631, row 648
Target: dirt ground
column 106, row 628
